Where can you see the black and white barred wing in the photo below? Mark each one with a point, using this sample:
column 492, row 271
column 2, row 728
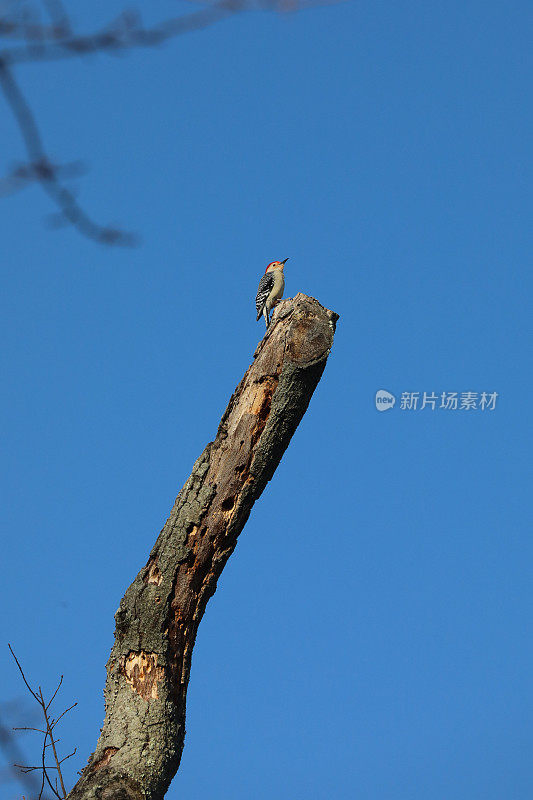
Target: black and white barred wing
column 266, row 284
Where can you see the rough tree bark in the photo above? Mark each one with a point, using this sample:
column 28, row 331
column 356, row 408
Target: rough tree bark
column 141, row 742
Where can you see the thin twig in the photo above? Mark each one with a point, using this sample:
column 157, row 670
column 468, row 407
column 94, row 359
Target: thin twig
column 54, row 694
column 48, row 738
column 13, row 755
column 45, row 768
column 50, row 734
column 38, row 730
column 42, row 782
column 64, row 712
column 69, row 755
column 22, row 673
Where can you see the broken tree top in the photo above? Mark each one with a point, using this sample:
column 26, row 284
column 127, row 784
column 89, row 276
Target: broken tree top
column 141, row 742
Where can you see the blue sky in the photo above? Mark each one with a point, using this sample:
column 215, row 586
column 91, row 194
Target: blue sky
column 371, row 635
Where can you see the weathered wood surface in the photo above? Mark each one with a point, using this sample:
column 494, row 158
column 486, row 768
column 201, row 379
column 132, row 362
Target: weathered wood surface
column 141, row 742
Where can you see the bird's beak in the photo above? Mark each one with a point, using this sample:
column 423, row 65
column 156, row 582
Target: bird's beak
column 283, row 262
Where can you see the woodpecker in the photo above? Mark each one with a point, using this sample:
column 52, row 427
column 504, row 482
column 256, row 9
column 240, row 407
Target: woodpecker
column 270, row 289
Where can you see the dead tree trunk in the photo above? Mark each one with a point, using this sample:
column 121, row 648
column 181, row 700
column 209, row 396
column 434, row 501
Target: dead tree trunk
column 141, row 742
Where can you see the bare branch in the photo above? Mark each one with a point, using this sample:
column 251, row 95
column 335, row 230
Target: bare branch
column 54, row 694
column 15, row 757
column 63, row 714
column 45, row 43
column 52, row 742
column 59, row 17
column 69, row 755
column 45, row 768
column 56, row 41
column 29, row 31
column 22, row 175
column 124, row 32
column 50, row 724
column 46, row 174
